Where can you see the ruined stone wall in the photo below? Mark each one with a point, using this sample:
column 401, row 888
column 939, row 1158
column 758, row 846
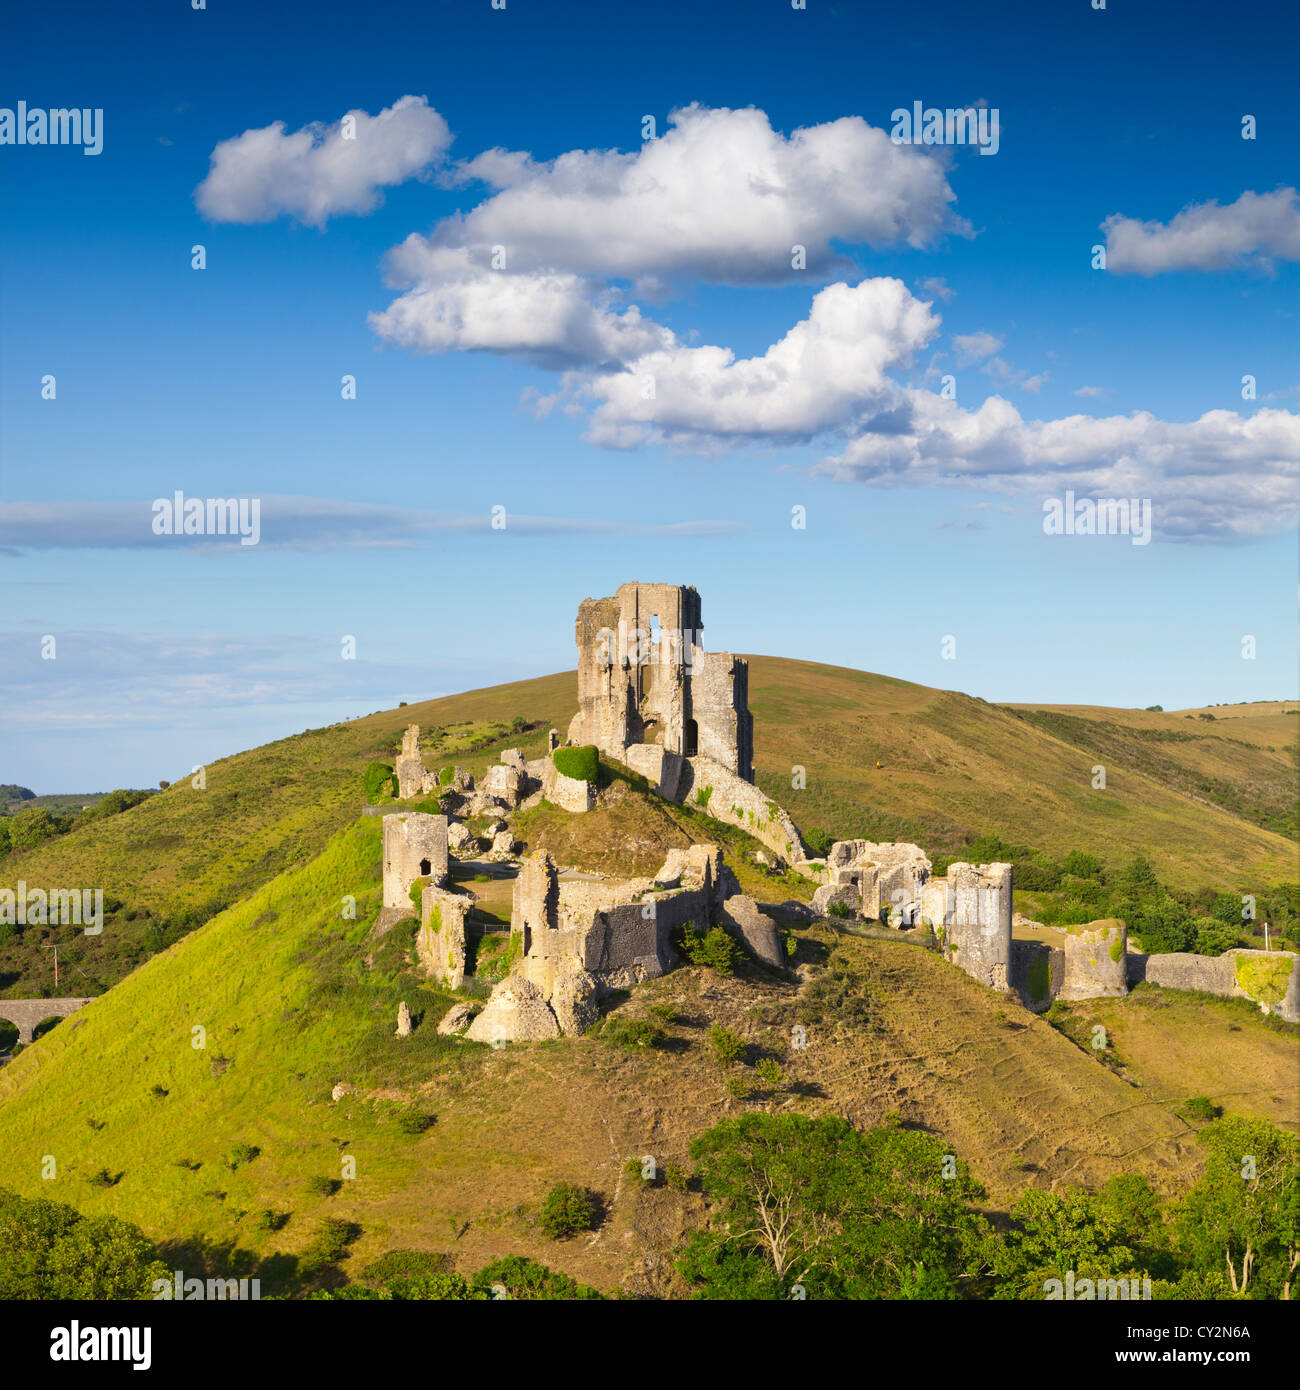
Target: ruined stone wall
column 568, row 793
column 1234, row 974
column 440, row 942
column 415, row 846
column 740, row 803
column 718, row 702
column 412, row 778
column 1037, row 972
column 644, row 677
column 888, row 874
column 1095, row 961
column 659, row 766
column 978, row 931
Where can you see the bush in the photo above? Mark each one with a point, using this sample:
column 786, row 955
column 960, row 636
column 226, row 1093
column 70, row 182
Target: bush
column 404, row 1264
column 269, row 1220
column 446, row 775
column 702, row 796
column 819, row 841
column 1202, row 1108
column 714, row 948
column 629, row 1032
column 728, row 1047
column 414, row 1122
column 331, row 1241
column 241, row 1154
column 323, row 1187
column 568, row 1209
column 526, row 1279
column 378, row 781
column 582, row 764
column 841, row 910
column 662, row 1013
column 769, row 1069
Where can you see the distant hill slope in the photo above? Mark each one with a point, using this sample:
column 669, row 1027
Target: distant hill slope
column 144, row 1124
column 1189, row 793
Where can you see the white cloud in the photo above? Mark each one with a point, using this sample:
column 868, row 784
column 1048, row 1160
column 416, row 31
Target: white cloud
column 938, row 287
column 316, row 173
column 1035, row 383
column 553, row 317
column 1223, row 475
column 826, row 371
column 975, row 347
column 1256, row 230
column 720, row 195
column 1089, row 391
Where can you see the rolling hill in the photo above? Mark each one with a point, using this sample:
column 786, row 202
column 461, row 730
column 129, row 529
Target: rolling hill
column 882, row 758
column 195, row 1098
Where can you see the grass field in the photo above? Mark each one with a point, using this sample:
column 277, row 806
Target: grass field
column 143, row 1124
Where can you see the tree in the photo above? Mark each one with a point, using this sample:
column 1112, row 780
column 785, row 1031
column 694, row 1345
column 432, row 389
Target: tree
column 28, row 828
column 838, row 1212
column 50, row 1250
column 1243, row 1216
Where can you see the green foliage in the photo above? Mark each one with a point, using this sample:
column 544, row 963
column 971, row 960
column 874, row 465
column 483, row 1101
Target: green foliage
column 404, row 1264
column 1264, row 978
column 415, row 1121
column 28, row 828
column 841, row 910
column 50, row 1251
column 702, row 797
column 378, row 782
column 322, row 1186
column 715, row 948
column 838, row 994
column 629, row 1032
column 241, row 1154
column 416, row 895
column 446, row 776
column 840, row 1212
column 663, row 1014
column 527, row 1279
column 268, row 1220
column 769, row 1070
column 819, row 841
column 727, row 1047
column 1202, row 1108
column 113, row 804
column 568, row 1209
column 582, row 763
column 331, row 1241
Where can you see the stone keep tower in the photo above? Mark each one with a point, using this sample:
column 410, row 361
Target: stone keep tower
column 415, row 846
column 644, row 677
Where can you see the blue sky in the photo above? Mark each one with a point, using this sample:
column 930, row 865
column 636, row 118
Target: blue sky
column 924, row 515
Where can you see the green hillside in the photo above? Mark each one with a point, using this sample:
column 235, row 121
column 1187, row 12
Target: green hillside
column 883, row 758
column 233, row 1154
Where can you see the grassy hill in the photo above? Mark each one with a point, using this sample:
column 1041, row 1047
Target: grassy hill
column 1203, row 799
column 292, row 998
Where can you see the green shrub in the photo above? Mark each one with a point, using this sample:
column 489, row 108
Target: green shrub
column 568, row 1209
column 323, row 1187
column 662, row 1013
column 378, row 782
column 714, row 948
column 769, row 1070
column 1202, row 1108
column 404, row 1264
column 241, row 1154
column 446, row 775
column 582, row 764
column 629, row 1032
column 414, row 1121
column 728, row 1047
column 843, row 910
column 702, row 797
column 331, row 1241
column 525, row 1279
column 269, row 1220
column 675, row 1176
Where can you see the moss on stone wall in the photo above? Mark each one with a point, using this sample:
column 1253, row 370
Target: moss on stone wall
column 1264, row 980
column 1039, row 977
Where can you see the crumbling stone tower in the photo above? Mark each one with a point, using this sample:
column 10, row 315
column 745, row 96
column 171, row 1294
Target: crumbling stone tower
column 415, row 846
column 644, row 677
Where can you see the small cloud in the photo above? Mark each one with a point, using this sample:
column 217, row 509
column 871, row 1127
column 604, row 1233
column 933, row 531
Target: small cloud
column 975, row 347
column 1035, row 383
column 938, row 287
column 1089, row 391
